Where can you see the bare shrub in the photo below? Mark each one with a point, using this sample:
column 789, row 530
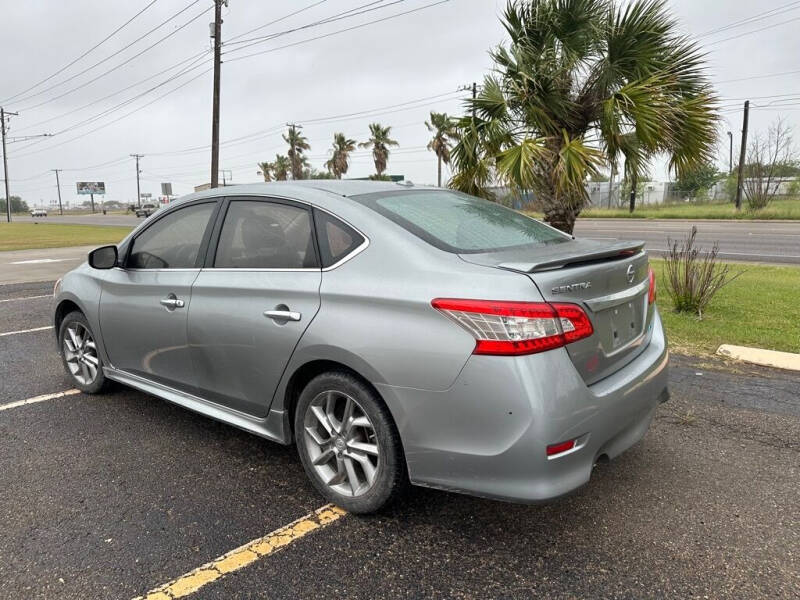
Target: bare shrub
column 694, row 276
column 765, row 158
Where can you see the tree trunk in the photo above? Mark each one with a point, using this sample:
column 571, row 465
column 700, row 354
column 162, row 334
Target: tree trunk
column 634, row 183
column 440, row 170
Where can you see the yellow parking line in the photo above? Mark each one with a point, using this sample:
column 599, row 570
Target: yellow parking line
column 36, row 399
column 245, row 555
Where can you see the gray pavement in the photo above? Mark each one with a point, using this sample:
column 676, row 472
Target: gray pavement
column 46, row 264
column 121, row 220
column 759, row 241
column 109, row 496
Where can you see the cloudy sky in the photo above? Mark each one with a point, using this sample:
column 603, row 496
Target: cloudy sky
column 147, row 89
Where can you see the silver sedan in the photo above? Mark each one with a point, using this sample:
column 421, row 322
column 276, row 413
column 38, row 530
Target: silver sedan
column 394, row 333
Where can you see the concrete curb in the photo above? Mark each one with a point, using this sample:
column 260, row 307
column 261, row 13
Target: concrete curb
column 757, row 356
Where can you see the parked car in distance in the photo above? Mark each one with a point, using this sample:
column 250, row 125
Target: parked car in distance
column 145, row 210
column 38, row 212
column 394, row 333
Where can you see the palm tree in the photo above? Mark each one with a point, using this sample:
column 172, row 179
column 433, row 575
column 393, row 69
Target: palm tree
column 379, row 141
column 280, row 168
column 339, row 161
column 265, row 170
column 444, row 131
column 579, row 83
column 297, row 145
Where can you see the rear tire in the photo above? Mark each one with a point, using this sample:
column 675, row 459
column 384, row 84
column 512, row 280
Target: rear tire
column 78, row 348
column 348, row 443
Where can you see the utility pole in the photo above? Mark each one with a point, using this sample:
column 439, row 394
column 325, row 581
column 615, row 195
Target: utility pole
column 742, row 156
column 138, row 191
column 217, row 35
column 3, row 114
column 730, row 154
column 58, row 185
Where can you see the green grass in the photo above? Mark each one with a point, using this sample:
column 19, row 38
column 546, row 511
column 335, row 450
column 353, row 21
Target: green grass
column 26, row 236
column 785, row 208
column 758, row 309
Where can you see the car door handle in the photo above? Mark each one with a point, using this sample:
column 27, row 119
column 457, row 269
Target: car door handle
column 172, row 302
column 283, row 315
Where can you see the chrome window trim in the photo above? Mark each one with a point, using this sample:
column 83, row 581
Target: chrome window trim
column 356, row 251
column 180, row 270
column 260, row 270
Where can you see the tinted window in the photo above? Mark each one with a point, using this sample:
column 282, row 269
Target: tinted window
column 460, row 223
column 265, row 235
column 173, row 241
column 336, row 239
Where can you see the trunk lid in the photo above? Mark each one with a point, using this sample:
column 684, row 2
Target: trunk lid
column 609, row 281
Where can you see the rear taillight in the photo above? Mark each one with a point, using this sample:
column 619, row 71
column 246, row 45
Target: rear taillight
column 514, row 328
column 651, row 293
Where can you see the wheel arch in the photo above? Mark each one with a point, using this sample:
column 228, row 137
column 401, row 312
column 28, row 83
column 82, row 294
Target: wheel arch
column 64, row 307
column 304, row 373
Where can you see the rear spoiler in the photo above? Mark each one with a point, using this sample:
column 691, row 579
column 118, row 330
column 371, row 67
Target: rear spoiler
column 616, row 250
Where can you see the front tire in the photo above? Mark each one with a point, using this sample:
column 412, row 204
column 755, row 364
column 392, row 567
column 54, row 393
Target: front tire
column 348, row 443
column 78, row 349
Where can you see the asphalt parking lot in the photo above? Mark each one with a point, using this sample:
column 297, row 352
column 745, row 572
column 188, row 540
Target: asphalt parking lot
column 112, row 496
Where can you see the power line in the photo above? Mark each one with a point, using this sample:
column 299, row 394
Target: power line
column 125, row 89
column 332, row 33
column 347, row 14
column 774, row 12
column 283, row 18
column 126, row 115
column 332, row 118
column 108, row 111
column 736, row 37
column 767, row 76
column 95, row 47
column 122, row 64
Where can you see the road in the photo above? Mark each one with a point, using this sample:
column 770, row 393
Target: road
column 114, row 495
column 758, row 241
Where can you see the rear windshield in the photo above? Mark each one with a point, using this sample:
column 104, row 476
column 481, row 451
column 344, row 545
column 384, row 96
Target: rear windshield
column 458, row 223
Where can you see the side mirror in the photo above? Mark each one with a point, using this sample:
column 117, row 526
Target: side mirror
column 104, row 257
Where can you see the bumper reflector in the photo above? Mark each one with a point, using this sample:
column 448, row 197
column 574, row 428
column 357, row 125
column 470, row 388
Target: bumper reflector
column 560, row 448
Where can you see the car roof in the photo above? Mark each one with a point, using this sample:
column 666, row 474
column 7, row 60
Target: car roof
column 299, row 189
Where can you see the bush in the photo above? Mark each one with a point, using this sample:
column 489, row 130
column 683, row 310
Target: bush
column 693, row 276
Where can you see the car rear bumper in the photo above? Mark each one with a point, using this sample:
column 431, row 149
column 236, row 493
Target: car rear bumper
column 487, row 435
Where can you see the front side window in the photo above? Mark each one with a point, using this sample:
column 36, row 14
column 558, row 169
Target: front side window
column 459, row 223
column 265, row 235
column 173, row 241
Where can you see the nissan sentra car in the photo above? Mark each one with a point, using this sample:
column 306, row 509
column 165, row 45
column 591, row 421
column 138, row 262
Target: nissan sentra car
column 394, row 333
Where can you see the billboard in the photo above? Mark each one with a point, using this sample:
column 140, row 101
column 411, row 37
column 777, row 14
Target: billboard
column 91, row 187
column 166, row 189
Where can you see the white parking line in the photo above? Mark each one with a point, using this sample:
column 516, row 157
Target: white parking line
column 27, row 298
column 26, row 331
column 36, row 399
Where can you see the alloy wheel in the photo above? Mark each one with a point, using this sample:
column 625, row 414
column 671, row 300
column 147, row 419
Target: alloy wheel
column 341, row 443
column 80, row 353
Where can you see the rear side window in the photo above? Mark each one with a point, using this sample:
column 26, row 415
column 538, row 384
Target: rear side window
column 459, row 223
column 265, row 235
column 336, row 239
column 173, row 241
